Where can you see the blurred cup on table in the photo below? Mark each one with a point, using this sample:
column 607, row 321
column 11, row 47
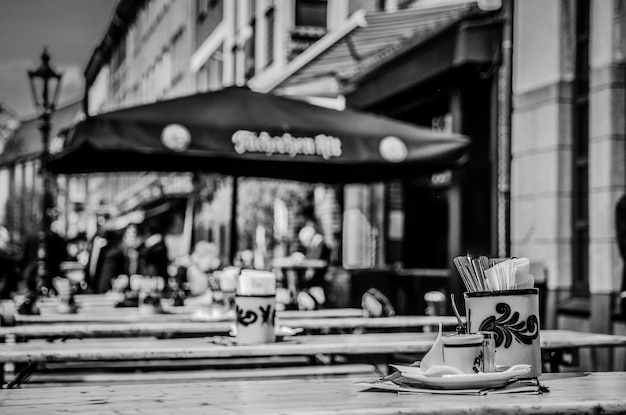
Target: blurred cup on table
column 255, row 304
column 513, row 317
column 149, row 295
column 7, row 312
column 463, row 351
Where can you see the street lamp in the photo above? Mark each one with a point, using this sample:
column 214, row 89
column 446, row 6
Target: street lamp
column 45, row 85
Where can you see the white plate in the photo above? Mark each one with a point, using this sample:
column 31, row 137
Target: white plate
column 464, row 381
column 279, row 331
column 282, row 331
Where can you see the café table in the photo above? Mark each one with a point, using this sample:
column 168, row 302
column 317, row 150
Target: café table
column 365, row 345
column 168, row 329
column 569, row 393
column 175, row 314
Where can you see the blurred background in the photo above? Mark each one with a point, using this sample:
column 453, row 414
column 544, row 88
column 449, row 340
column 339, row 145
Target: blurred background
column 537, row 86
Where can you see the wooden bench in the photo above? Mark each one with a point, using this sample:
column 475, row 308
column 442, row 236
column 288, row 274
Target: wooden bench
column 49, row 379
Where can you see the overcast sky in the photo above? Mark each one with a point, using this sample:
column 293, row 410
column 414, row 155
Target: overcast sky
column 71, row 29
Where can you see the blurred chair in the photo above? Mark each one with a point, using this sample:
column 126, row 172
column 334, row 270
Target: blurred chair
column 435, row 303
column 376, row 304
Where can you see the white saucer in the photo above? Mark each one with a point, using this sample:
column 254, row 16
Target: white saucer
column 464, row 381
column 279, row 331
column 282, row 331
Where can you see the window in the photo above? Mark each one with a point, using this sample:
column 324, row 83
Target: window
column 363, row 226
column 210, row 75
column 202, row 7
column 177, row 58
column 167, row 68
column 215, row 71
column 580, row 148
column 310, row 26
column 311, row 13
column 250, row 51
column 269, row 17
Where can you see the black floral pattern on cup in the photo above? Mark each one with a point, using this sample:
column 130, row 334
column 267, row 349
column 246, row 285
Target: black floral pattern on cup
column 268, row 314
column 478, row 363
column 246, row 317
column 509, row 326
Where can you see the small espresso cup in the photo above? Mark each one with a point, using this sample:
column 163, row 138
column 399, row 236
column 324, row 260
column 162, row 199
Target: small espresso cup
column 256, row 316
column 463, row 351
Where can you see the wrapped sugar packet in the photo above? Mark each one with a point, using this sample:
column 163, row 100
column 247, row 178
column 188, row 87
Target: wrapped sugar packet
column 228, row 278
column 255, row 306
column 255, row 282
column 523, row 279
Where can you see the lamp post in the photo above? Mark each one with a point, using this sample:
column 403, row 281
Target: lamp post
column 45, row 85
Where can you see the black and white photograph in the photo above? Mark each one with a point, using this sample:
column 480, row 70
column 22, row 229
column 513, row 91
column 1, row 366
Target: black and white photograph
column 312, row 207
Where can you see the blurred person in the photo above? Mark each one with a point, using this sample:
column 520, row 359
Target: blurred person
column 245, row 259
column 312, row 246
column 77, row 249
column 620, row 233
column 132, row 242
column 153, row 255
column 98, row 242
column 9, row 265
column 111, row 262
column 56, row 252
column 312, row 242
column 204, row 260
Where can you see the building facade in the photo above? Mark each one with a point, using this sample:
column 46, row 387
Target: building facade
column 157, row 50
column 544, row 106
column 539, row 87
column 568, row 156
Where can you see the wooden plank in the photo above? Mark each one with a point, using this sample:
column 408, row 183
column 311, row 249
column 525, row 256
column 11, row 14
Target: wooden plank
column 200, row 348
column 564, row 339
column 205, row 375
column 170, row 329
column 569, row 394
column 132, row 315
column 154, row 364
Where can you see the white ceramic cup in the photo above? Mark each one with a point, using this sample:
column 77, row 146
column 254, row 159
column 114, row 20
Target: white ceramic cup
column 256, row 316
column 463, row 351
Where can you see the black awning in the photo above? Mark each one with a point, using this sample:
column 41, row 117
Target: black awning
column 239, row 132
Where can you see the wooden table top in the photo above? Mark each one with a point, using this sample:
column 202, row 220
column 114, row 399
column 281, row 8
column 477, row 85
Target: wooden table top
column 288, row 263
column 202, row 348
column 154, row 327
column 310, row 345
column 575, row 393
column 109, row 314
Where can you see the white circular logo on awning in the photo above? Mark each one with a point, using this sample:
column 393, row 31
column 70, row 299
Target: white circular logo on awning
column 56, row 145
column 393, row 149
column 176, row 137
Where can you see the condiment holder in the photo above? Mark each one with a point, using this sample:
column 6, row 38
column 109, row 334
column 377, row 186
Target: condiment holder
column 501, row 299
column 255, row 304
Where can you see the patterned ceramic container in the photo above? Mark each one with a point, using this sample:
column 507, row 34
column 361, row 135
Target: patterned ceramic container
column 513, row 315
column 256, row 315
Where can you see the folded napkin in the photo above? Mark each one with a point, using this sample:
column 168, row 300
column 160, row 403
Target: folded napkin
column 435, row 354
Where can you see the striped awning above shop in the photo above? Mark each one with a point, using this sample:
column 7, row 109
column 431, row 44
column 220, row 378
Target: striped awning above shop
column 366, row 40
